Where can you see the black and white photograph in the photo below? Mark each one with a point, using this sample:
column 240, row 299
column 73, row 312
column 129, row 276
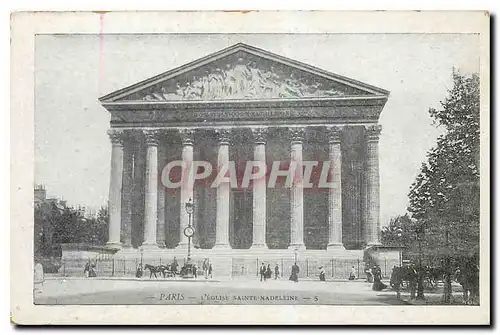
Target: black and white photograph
column 260, row 168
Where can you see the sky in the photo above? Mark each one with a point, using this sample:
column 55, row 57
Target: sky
column 72, row 149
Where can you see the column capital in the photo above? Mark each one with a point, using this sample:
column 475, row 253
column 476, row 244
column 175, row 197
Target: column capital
column 259, row 135
column 187, row 136
column 116, row 136
column 297, row 134
column 373, row 132
column 152, row 136
column 334, row 133
column 223, row 135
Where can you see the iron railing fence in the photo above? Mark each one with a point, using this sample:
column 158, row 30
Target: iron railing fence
column 111, row 266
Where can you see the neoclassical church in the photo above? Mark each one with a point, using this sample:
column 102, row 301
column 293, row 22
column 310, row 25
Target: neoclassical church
column 245, row 104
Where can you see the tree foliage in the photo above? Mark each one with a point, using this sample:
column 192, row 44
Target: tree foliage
column 56, row 224
column 400, row 233
column 444, row 198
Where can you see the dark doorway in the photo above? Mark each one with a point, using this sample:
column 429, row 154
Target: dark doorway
column 241, row 219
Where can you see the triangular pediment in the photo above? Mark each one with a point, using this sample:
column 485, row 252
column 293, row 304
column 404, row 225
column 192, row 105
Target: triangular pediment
column 243, row 72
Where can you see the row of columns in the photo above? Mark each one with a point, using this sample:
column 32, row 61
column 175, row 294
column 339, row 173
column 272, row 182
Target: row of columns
column 259, row 188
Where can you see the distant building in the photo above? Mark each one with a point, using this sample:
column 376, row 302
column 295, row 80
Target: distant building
column 40, row 194
column 43, row 230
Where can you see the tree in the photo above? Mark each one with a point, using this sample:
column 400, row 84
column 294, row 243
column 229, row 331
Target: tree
column 400, row 233
column 444, row 199
column 57, row 224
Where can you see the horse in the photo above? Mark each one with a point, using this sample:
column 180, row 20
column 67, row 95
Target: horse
column 153, row 270
column 433, row 275
column 403, row 274
column 468, row 277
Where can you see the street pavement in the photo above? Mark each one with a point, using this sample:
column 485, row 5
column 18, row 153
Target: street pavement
column 83, row 291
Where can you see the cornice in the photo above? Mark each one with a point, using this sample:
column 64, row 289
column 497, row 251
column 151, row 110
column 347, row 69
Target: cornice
column 244, row 104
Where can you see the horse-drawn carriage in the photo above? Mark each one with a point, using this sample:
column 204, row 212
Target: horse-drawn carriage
column 465, row 274
column 167, row 271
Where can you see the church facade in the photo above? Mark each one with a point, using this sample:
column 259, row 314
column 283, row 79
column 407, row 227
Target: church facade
column 238, row 105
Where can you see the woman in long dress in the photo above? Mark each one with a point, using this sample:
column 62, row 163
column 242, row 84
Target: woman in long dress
column 295, row 273
column 377, row 279
column 352, row 274
column 322, row 274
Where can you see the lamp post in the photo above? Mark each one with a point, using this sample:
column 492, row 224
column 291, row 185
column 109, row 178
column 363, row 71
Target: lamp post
column 399, row 233
column 142, row 254
column 188, row 268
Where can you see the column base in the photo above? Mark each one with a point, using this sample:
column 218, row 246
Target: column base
column 260, row 246
column 335, row 246
column 297, row 246
column 183, row 246
column 114, row 245
column 222, row 246
column 150, row 246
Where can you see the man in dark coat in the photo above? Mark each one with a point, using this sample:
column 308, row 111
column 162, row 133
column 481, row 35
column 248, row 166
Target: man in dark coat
column 269, row 272
column 262, row 272
column 195, row 270
column 295, row 273
column 174, row 265
column 412, row 280
column 205, row 267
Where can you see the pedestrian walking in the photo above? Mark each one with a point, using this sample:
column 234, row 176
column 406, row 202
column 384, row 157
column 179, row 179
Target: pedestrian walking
column 377, row 279
column 38, row 278
column 269, row 273
column 276, row 272
column 174, row 266
column 295, row 273
column 262, row 272
column 413, row 280
column 205, row 267
column 210, row 270
column 89, row 270
column 369, row 275
column 322, row 274
column 138, row 272
column 195, row 271
column 352, row 274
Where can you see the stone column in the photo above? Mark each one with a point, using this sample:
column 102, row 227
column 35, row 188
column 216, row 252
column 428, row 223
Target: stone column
column 259, row 192
column 151, row 189
column 187, row 138
column 372, row 185
column 335, row 191
column 160, row 227
column 115, row 188
column 127, row 190
column 223, row 193
column 296, row 192
column 138, row 190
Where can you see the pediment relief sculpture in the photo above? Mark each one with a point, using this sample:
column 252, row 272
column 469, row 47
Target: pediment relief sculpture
column 243, row 81
column 245, row 76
